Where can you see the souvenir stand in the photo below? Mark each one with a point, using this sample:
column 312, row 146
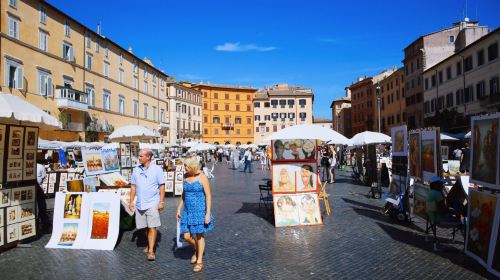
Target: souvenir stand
column 483, row 223
column 19, row 128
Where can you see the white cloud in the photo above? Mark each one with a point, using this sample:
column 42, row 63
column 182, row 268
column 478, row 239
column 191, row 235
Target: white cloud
column 237, row 47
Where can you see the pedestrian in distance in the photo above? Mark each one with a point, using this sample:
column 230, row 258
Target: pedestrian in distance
column 194, row 211
column 148, row 185
column 248, row 160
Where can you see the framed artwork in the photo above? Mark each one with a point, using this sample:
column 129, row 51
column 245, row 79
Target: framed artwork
column 169, row 186
column 12, row 233
column 1, row 164
column 124, row 149
column 51, row 188
column 63, row 177
column 309, row 211
column 135, row 161
column 45, row 187
column 179, row 168
column 68, row 234
column 428, row 148
column 23, row 195
column 52, row 178
column 294, row 150
column 100, row 220
column 29, row 165
column 12, row 215
column 110, row 160
column 3, row 133
column 4, row 198
column 170, row 176
column 72, row 206
column 2, row 237
column 453, row 167
column 92, row 161
column 2, row 220
column 179, row 188
column 284, row 177
column 420, row 200
column 414, row 155
column 14, row 164
column 71, row 176
column 26, row 211
column 134, row 149
column 399, row 137
column 14, row 175
column 16, row 136
column 179, row 177
column 286, row 210
column 307, row 178
column 444, row 152
column 484, row 167
column 31, row 138
column 27, row 229
column 113, row 179
column 481, row 212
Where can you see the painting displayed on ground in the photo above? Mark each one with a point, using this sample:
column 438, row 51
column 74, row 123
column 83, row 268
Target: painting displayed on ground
column 414, row 154
column 69, row 234
column 309, row 212
column 420, row 200
column 428, row 148
column 72, row 206
column 482, row 207
column 100, row 221
column 110, row 160
column 286, row 211
column 399, row 137
column 284, row 177
column 484, row 152
column 293, row 150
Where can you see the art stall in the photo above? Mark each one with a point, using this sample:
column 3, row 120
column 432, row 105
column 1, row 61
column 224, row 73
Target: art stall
column 19, row 128
column 483, row 225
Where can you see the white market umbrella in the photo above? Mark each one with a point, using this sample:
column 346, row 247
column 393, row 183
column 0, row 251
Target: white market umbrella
column 229, row 146
column 369, row 137
column 132, row 133
column 468, row 135
column 309, row 131
column 14, row 110
column 189, row 144
column 201, row 147
column 48, row 145
column 264, row 143
column 111, row 146
column 445, row 137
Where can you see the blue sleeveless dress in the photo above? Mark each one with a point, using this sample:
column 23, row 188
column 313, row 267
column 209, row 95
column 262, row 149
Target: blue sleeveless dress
column 193, row 215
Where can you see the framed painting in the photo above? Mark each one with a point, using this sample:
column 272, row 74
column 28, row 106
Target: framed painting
column 494, row 259
column 170, row 175
column 5, row 197
column 169, row 186
column 428, row 151
column 110, row 160
column 63, row 178
column 14, row 164
column 12, row 233
column 31, row 138
column 399, row 136
column 420, row 200
column 286, row 210
column 14, row 175
column 414, row 155
column 52, row 177
column 309, row 210
column 2, row 220
column 26, row 211
column 16, row 136
column 27, row 229
column 179, row 177
column 3, row 133
column 2, row 237
column 92, row 161
column 29, row 165
column 284, row 177
column 484, row 166
column 179, row 188
column 12, row 215
column 294, row 150
column 307, row 178
column 23, row 195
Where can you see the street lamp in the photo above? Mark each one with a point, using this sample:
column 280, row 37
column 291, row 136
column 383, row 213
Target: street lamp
column 378, row 106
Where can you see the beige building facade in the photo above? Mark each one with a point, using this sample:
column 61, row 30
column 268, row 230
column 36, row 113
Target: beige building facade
column 185, row 113
column 392, row 101
column 77, row 75
column 281, row 106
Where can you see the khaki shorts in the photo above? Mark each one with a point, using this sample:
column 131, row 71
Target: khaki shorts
column 149, row 218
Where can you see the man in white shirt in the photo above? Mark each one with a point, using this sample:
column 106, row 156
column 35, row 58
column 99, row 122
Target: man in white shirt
column 248, row 160
column 40, row 197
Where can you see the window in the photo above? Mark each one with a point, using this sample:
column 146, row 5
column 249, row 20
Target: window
column 494, row 86
column 249, row 108
column 145, row 108
column 67, row 52
column 120, row 75
column 67, row 28
column 291, row 102
column 469, row 94
column 275, row 127
column 267, row 105
column 249, row 120
column 237, row 107
column 106, row 69
column 154, row 90
column 13, row 74
column 106, row 100
column 205, row 131
column 89, row 89
column 44, row 83
column 257, row 118
column 448, row 72
column 449, row 100
column 418, row 64
column 226, row 107
column 291, row 116
column 43, row 15
column 121, row 61
column 426, row 83
column 145, row 74
column 282, row 103
column 492, row 51
column 302, row 103
column 216, row 95
column 451, row 39
column 216, row 120
column 480, row 57
column 440, row 77
column 136, row 108
column 13, row 3
column 302, row 116
column 249, row 98
column 97, row 43
column 468, row 63
column 256, row 104
column 459, row 97
column 237, row 120
column 106, row 50
column 459, row 68
column 13, row 25
column 162, row 115
column 433, row 80
column 216, row 107
column 88, row 61
column 145, row 87
column 43, row 40
column 121, row 104
column 205, row 106
column 87, row 40
column 480, row 90
column 155, row 110
column 237, row 97
column 136, row 67
column 274, row 103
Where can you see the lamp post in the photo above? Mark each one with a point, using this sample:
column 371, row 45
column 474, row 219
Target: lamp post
column 378, row 106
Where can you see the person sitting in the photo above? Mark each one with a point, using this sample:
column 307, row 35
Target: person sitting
column 435, row 202
column 384, row 176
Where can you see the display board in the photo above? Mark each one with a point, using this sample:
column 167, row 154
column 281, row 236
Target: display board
column 485, row 151
column 85, row 221
column 399, row 137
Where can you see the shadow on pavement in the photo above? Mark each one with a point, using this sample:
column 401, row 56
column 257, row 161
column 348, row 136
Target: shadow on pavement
column 366, row 205
column 261, row 212
column 140, row 239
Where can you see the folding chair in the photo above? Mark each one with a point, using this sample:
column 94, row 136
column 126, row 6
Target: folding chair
column 324, row 196
column 266, row 196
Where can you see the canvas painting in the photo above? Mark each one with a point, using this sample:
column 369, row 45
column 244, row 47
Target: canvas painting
column 72, row 206
column 4, row 197
column 100, row 221
column 12, row 215
column 26, row 211
column 285, row 150
column 399, row 137
column 91, row 183
column 113, row 179
column 179, row 188
column 110, row 160
column 12, row 233
column 484, row 152
column 27, row 229
column 31, row 138
column 309, row 211
column 16, row 136
column 284, row 177
column 307, row 178
column 428, row 150
column 414, row 154
column 169, row 186
column 92, row 161
column 420, row 200
column 481, row 214
column 286, row 211
column 68, row 235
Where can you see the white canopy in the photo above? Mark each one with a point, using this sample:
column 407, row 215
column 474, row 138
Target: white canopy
column 468, row 135
column 189, row 144
column 228, row 146
column 132, row 133
column 201, row 147
column 154, row 146
column 14, row 110
column 111, row 146
column 445, row 137
column 309, row 131
column 246, row 146
column 369, row 137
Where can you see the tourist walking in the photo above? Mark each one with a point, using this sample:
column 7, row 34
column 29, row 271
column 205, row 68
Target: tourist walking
column 333, row 163
column 325, row 166
column 194, row 211
column 248, row 160
column 263, row 160
column 457, row 153
column 465, row 159
column 235, row 155
column 148, row 185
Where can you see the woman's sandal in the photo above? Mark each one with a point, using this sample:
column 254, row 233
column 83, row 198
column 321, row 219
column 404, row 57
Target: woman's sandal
column 198, row 267
column 194, row 259
column 151, row 257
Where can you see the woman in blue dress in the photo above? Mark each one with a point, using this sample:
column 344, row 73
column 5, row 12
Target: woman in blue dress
column 194, row 210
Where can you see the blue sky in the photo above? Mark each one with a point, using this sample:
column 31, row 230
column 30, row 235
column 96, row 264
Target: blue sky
column 323, row 45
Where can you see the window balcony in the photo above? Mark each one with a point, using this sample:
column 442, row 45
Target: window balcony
column 68, row 98
column 72, row 126
column 228, row 126
column 490, row 101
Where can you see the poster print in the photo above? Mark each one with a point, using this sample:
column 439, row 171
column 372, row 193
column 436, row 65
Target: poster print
column 284, row 150
column 4, row 198
column 14, row 175
column 179, row 188
column 69, row 234
column 170, row 175
column 286, row 211
column 63, row 178
column 309, row 212
column 72, row 206
column 169, row 186
column 284, row 177
column 31, row 138
column 428, row 148
column 481, row 214
column 16, row 136
column 92, row 161
column 26, row 211
column 12, row 233
column 23, row 195
column 484, row 152
column 29, row 165
column 414, row 154
column 399, row 137
column 179, row 177
column 91, row 183
column 110, row 160
column 307, row 178
column 52, row 178
column 100, row 220
column 27, row 229
column 13, row 164
column 12, row 215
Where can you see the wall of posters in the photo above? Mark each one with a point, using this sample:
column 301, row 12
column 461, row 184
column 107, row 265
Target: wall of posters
column 399, row 136
column 429, row 154
column 485, row 154
column 414, row 155
column 294, row 150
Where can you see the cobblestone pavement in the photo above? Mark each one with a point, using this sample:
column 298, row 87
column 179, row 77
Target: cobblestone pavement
column 356, row 242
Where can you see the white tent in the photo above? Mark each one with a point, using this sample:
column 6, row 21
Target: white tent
column 369, row 137
column 132, row 133
column 445, row 137
column 201, row 147
column 309, row 131
column 14, row 110
column 228, row 146
column 190, row 144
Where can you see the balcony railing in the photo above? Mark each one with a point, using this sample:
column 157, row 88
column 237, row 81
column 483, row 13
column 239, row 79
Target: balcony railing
column 228, row 126
column 72, row 126
column 69, row 98
column 490, row 101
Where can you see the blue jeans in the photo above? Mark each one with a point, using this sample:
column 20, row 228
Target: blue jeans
column 248, row 164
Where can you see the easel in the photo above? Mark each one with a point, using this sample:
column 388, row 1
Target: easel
column 324, row 196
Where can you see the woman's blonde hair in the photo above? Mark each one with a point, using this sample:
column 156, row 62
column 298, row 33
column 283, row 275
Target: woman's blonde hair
column 192, row 164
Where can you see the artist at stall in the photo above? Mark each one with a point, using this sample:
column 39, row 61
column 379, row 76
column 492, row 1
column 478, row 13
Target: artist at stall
column 43, row 217
column 148, row 185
